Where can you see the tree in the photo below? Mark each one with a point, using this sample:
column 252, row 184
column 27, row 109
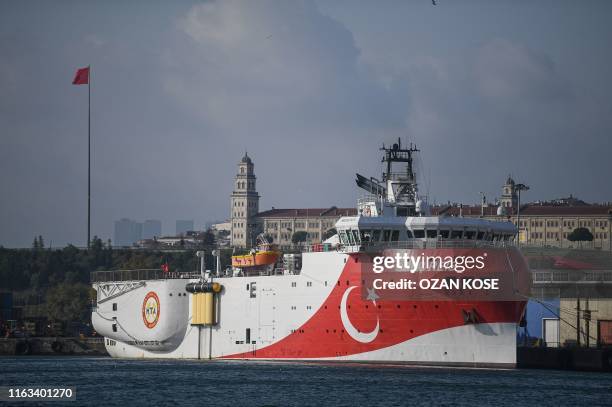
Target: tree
column 299, row 237
column 208, row 238
column 580, row 235
column 68, row 302
column 38, row 243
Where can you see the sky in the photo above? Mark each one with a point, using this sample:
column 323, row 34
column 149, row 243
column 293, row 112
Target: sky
column 311, row 89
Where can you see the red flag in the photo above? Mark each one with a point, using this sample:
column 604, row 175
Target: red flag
column 81, row 77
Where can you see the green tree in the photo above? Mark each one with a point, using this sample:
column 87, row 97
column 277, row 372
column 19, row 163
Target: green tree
column 580, row 235
column 68, row 302
column 299, row 237
column 208, row 238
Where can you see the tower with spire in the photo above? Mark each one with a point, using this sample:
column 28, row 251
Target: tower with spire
column 244, row 205
column 509, row 197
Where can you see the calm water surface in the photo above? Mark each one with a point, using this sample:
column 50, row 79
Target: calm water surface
column 111, row 382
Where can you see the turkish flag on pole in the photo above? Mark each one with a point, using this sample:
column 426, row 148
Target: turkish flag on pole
column 81, row 77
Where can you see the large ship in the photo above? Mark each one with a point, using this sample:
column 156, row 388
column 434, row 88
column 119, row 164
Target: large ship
column 313, row 304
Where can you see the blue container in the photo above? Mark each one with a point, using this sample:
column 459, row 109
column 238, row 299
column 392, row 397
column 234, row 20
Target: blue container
column 536, row 312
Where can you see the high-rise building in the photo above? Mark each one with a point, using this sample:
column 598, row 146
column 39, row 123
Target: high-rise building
column 245, row 205
column 127, row 232
column 151, row 228
column 183, row 226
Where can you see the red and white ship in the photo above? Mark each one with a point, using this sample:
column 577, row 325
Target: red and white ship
column 310, row 305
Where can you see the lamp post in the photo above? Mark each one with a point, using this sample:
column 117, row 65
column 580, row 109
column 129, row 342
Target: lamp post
column 519, row 188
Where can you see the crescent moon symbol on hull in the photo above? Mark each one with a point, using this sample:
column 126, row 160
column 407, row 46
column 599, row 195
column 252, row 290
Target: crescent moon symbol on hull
column 363, row 337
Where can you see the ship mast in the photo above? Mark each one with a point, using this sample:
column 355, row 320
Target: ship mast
column 398, row 187
column 401, row 186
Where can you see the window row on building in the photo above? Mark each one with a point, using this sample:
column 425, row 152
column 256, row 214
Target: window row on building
column 571, row 224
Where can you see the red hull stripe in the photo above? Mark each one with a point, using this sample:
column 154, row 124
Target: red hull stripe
column 324, row 335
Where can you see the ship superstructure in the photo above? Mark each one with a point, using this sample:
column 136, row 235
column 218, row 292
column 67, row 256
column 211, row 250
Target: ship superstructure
column 308, row 305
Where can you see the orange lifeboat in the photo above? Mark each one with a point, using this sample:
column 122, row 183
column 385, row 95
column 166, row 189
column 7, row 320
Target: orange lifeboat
column 258, row 258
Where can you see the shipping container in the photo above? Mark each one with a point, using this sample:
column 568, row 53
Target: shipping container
column 550, row 332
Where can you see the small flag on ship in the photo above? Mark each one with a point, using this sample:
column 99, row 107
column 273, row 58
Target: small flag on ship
column 165, row 266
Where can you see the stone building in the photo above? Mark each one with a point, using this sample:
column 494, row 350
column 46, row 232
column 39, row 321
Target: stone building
column 247, row 222
column 244, row 205
column 281, row 224
column 545, row 223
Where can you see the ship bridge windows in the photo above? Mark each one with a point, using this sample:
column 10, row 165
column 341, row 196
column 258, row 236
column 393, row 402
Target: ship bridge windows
column 456, row 234
column 349, row 237
column 356, row 237
column 389, row 235
column 451, row 233
column 419, row 233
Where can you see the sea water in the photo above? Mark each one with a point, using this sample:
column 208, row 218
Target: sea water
column 114, row 382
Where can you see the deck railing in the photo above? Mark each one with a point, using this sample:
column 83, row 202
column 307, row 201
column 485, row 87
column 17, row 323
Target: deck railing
column 137, row 275
column 425, row 244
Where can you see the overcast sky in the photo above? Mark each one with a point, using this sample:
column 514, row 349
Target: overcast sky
column 310, row 88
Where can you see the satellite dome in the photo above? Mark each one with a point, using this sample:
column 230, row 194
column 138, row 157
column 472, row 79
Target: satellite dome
column 501, row 210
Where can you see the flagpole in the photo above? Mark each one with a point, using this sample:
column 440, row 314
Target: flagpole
column 89, row 157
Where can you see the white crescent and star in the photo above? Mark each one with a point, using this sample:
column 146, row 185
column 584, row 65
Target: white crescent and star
column 363, row 337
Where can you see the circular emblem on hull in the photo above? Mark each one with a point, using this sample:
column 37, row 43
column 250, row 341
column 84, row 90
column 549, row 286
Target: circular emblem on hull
column 150, row 310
